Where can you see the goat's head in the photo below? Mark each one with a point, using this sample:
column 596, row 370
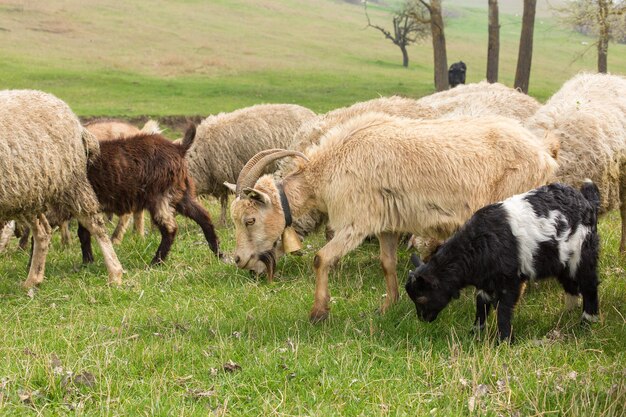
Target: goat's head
column 261, row 215
column 426, row 291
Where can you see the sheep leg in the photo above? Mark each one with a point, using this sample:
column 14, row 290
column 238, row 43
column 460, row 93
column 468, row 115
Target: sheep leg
column 85, row 243
column 622, row 209
column 344, row 241
column 25, row 234
column 95, row 226
column 506, row 304
column 587, row 278
column 7, row 231
column 190, row 208
column 41, row 236
column 483, row 308
column 571, row 290
column 138, row 223
column 65, row 233
column 163, row 217
column 120, row 230
column 388, row 259
column 223, row 209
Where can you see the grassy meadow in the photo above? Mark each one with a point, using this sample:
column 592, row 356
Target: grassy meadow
column 198, row 337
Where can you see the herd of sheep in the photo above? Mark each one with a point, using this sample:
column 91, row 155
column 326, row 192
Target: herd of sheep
column 387, row 167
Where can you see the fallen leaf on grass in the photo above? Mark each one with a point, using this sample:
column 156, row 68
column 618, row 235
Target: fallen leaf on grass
column 198, row 393
column 55, row 364
column 481, row 390
column 29, row 352
column 231, row 366
column 31, row 293
column 85, row 378
column 213, row 371
column 471, row 403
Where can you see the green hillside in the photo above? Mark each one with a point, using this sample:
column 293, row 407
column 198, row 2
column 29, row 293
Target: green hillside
column 195, row 57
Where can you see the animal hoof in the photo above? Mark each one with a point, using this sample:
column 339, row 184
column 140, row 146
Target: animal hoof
column 317, row 316
column 589, row 318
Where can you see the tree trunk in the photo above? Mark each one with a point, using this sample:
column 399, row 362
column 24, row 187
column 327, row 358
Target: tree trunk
column 439, row 46
column 405, row 56
column 603, row 36
column 493, row 47
column 525, row 55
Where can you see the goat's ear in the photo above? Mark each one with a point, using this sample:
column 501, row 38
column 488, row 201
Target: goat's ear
column 417, row 262
column 232, row 187
column 256, row 195
column 427, row 281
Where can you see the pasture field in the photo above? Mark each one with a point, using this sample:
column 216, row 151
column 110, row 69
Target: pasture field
column 163, row 343
column 198, row 337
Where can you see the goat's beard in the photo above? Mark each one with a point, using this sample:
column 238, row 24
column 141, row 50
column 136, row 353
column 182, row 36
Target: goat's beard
column 269, row 260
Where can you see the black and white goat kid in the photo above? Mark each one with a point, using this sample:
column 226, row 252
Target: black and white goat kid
column 549, row 231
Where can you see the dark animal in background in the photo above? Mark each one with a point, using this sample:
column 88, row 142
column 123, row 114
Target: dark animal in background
column 456, row 74
column 549, row 231
column 147, row 172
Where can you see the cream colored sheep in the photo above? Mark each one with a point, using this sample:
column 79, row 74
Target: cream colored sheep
column 588, row 116
column 45, row 152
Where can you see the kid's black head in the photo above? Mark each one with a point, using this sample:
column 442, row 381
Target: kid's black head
column 426, row 291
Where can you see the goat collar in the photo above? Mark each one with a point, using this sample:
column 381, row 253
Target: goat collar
column 285, row 203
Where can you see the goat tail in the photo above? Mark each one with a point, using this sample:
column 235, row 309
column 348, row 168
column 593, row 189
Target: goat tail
column 151, row 128
column 188, row 140
column 590, row 191
column 91, row 144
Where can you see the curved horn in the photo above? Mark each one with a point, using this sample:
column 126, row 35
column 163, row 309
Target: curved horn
column 253, row 170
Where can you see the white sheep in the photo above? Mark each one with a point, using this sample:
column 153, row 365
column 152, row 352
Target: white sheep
column 588, row 116
column 225, row 142
column 45, row 152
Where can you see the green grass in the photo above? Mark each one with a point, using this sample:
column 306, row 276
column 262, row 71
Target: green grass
column 191, row 57
column 157, row 345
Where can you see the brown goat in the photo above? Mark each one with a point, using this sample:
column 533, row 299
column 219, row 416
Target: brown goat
column 147, row 172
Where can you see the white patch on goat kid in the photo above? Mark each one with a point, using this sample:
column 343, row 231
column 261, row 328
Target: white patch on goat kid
column 530, row 230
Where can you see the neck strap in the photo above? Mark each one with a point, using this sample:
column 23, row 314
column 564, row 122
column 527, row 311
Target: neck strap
column 285, row 203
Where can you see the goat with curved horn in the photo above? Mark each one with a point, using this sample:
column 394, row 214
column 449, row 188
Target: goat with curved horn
column 253, row 170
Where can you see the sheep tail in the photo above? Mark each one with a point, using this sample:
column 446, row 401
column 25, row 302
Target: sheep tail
column 591, row 193
column 151, row 128
column 187, row 141
column 92, row 147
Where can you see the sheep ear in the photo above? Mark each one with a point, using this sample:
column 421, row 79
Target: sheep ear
column 417, row 262
column 232, row 187
column 256, row 195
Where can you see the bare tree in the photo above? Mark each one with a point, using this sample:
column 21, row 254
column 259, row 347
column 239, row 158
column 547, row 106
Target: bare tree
column 525, row 55
column 493, row 46
column 602, row 18
column 434, row 16
column 405, row 29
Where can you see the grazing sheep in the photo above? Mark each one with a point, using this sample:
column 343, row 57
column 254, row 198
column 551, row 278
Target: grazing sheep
column 482, row 99
column 546, row 232
column 383, row 175
column 110, row 130
column 588, row 116
column 147, row 172
column 45, row 157
column 456, row 74
column 225, row 142
column 312, row 131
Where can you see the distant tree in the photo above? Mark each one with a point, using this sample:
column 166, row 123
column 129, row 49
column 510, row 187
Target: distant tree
column 434, row 16
column 605, row 19
column 493, row 45
column 525, row 54
column 405, row 29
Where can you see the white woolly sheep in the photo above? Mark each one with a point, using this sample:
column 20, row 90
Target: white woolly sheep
column 225, row 142
column 45, row 152
column 588, row 116
column 383, row 175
